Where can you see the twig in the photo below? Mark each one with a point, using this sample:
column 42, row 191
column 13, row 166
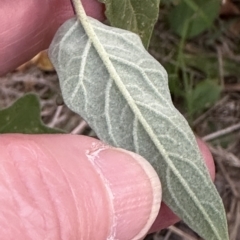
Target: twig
column 232, row 87
column 181, row 233
column 229, row 180
column 234, row 232
column 220, row 66
column 232, row 211
column 80, row 128
column 168, row 235
column 205, row 114
column 230, row 158
column 56, row 116
column 221, row 133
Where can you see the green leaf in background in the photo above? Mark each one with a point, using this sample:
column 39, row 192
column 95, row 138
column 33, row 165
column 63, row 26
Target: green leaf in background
column 209, row 65
column 122, row 92
column 134, row 15
column 193, row 16
column 23, row 116
column 203, row 96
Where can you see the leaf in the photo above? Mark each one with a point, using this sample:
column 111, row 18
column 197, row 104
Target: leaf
column 23, row 116
column 122, row 92
column 41, row 60
column 133, row 15
column 210, row 66
column 203, row 96
column 195, row 15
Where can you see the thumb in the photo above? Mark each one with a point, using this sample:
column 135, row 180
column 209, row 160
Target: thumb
column 74, row 187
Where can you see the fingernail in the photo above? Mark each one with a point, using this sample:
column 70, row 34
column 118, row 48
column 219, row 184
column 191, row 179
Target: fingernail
column 134, row 191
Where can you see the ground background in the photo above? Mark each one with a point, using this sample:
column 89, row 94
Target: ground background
column 204, row 75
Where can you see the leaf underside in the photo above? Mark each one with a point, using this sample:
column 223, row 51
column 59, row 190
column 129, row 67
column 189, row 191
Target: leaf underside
column 135, row 112
column 133, row 15
column 23, row 116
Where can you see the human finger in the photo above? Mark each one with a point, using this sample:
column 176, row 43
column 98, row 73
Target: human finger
column 27, row 27
column 74, row 187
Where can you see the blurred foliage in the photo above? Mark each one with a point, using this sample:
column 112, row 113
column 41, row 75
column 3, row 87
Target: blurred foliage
column 191, row 17
column 210, row 66
column 201, row 97
column 186, row 41
column 23, row 116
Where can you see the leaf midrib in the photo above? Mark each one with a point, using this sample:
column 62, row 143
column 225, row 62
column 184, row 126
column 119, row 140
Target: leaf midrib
column 114, row 75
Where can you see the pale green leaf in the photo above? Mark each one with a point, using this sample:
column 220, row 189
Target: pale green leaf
column 133, row 15
column 122, row 92
column 23, row 116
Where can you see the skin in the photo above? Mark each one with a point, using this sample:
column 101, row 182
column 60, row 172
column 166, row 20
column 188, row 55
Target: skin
column 55, row 190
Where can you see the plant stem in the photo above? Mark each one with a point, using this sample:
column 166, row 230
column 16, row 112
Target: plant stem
column 80, row 12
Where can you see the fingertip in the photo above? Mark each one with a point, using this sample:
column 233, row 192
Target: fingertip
column 164, row 219
column 65, row 10
column 135, row 189
column 27, row 29
column 86, row 188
